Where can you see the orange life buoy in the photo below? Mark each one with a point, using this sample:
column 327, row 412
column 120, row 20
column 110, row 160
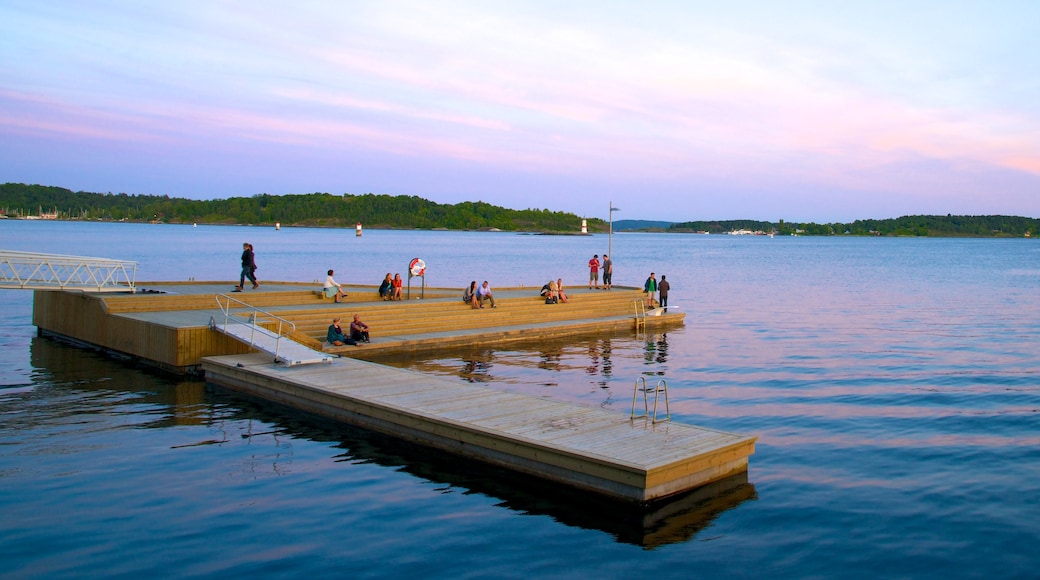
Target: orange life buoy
column 417, row 267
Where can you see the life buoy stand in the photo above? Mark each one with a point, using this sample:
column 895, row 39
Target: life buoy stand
column 417, row 267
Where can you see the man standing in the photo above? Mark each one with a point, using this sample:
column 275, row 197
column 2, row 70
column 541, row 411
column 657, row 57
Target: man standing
column 484, row 293
column 594, row 271
column 608, row 271
column 650, row 286
column 662, row 290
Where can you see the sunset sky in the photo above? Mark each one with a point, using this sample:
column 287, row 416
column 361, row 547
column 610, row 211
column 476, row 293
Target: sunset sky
column 800, row 110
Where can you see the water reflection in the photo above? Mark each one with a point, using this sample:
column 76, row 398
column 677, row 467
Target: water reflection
column 257, row 439
column 669, row 521
column 656, row 352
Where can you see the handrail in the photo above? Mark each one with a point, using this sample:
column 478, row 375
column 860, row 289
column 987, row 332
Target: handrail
column 253, row 321
column 640, row 312
column 36, row 271
column 661, row 387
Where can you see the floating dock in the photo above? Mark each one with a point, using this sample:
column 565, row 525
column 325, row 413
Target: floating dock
column 584, row 447
column 171, row 326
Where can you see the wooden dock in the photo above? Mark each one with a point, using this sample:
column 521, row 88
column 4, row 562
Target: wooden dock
column 587, row 448
column 167, row 325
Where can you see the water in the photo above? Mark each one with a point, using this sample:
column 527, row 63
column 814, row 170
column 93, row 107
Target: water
column 892, row 384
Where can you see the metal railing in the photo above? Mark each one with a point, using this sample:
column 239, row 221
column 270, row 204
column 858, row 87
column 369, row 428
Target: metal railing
column 656, row 390
column 32, row 271
column 640, row 313
column 255, row 332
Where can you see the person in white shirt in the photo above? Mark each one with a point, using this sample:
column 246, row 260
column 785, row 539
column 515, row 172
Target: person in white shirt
column 332, row 288
column 484, row 293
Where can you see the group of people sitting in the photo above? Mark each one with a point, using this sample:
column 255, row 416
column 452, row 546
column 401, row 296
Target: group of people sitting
column 476, row 296
column 358, row 333
column 553, row 292
column 390, row 288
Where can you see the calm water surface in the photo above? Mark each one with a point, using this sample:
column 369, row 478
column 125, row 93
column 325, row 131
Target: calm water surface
column 892, row 384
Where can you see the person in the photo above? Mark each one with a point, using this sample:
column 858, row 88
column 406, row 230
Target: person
column 544, row 293
column 358, row 330
column 608, row 271
column 484, row 294
column 332, row 288
column 397, row 283
column 594, row 271
column 559, row 291
column 335, row 335
column 386, row 286
column 550, row 293
column 662, row 291
column 248, row 268
column 469, row 295
column 650, row 286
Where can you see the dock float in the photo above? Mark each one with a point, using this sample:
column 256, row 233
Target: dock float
column 586, row 448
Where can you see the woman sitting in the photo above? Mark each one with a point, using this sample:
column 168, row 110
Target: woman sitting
column 397, row 283
column 553, row 294
column 559, row 290
column 469, row 295
column 335, row 335
column 386, row 287
column 333, row 288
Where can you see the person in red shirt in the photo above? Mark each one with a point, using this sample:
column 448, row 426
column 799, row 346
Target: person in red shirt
column 594, row 271
column 396, row 294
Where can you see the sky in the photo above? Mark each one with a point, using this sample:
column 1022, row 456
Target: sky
column 799, row 110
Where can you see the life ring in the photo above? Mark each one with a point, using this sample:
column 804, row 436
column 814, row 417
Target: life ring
column 417, row 267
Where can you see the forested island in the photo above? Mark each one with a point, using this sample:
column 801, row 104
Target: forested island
column 19, row 200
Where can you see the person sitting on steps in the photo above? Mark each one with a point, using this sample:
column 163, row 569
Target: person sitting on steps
column 358, row 330
column 335, row 335
column 333, row 288
column 386, row 287
column 484, row 295
column 469, row 295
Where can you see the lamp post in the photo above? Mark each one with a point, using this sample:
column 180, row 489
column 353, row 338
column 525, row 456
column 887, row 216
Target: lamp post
column 610, row 234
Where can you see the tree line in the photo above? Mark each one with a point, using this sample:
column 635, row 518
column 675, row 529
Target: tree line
column 411, row 212
column 979, row 226
column 312, row 209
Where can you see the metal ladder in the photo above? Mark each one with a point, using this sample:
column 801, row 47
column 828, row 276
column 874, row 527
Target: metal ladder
column 660, row 387
column 640, row 311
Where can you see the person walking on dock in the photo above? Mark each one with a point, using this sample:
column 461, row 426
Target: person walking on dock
column 594, row 271
column 608, row 271
column 662, row 291
column 248, row 268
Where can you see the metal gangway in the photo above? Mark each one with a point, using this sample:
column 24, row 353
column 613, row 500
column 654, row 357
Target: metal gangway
column 32, row 271
column 265, row 332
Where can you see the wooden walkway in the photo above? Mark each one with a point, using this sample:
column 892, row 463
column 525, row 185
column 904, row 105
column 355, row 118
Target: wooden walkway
column 588, row 448
column 167, row 325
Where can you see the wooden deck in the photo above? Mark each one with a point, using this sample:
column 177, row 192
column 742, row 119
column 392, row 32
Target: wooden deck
column 167, row 325
column 587, row 448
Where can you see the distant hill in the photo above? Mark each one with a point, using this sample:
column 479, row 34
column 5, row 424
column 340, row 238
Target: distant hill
column 635, row 225
column 19, row 200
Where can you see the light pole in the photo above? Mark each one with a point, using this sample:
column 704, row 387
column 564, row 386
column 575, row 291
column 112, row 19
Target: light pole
column 610, row 234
